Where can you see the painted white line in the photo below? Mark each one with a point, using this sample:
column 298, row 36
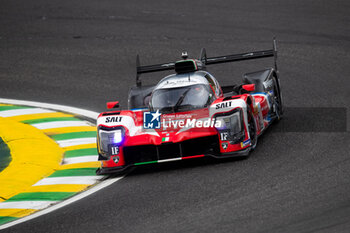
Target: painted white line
column 76, row 141
column 80, row 159
column 36, row 205
column 25, row 111
column 69, row 180
column 63, row 203
column 59, row 124
column 168, row 160
column 64, row 108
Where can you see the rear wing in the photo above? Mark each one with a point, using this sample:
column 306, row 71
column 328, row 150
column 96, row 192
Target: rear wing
column 207, row 60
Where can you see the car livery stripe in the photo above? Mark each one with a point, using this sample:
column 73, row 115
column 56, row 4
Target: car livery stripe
column 169, row 160
column 76, row 140
column 266, row 96
column 149, row 162
column 192, row 157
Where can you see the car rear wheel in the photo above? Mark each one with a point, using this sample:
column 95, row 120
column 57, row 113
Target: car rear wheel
column 278, row 105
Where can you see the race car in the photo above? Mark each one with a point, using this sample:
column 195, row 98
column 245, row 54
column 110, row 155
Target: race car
column 189, row 115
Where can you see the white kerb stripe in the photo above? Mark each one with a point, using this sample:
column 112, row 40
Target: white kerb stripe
column 76, row 141
column 59, row 124
column 79, row 111
column 69, row 180
column 37, row 205
column 25, row 111
column 80, row 159
column 59, row 205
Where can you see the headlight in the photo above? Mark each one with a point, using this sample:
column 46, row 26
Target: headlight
column 231, row 127
column 117, row 137
column 108, row 139
column 232, row 122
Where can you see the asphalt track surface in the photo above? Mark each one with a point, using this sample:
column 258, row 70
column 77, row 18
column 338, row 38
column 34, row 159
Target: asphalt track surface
column 82, row 54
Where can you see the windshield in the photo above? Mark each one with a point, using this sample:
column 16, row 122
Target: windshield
column 181, row 98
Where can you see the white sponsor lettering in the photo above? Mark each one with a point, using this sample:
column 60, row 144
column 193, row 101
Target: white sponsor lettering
column 191, row 123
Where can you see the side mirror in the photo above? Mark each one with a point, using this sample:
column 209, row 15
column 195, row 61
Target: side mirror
column 114, row 104
column 249, row 87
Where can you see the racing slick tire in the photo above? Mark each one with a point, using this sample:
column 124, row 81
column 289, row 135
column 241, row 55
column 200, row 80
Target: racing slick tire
column 252, row 129
column 278, row 104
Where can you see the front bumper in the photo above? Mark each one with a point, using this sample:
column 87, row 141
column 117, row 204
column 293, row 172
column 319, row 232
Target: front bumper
column 123, row 169
column 111, row 170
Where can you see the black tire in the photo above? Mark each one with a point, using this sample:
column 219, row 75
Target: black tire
column 252, row 129
column 278, row 104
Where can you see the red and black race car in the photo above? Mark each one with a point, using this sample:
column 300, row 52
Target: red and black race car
column 189, row 115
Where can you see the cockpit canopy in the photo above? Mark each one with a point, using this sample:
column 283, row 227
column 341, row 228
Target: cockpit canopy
column 184, row 92
column 181, row 99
